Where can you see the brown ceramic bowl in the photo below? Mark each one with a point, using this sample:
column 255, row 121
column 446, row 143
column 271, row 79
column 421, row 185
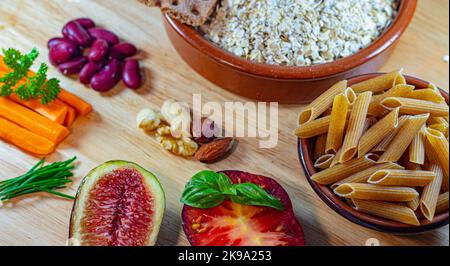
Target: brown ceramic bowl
column 284, row 84
column 305, row 150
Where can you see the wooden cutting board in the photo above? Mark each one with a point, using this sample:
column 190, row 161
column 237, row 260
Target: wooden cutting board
column 110, row 132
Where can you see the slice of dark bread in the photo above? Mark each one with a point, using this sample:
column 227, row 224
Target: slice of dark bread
column 191, row 12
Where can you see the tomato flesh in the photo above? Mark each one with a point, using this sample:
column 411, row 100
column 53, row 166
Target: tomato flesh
column 232, row 224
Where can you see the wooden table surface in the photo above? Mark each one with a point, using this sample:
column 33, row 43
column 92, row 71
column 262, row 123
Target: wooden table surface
column 110, row 132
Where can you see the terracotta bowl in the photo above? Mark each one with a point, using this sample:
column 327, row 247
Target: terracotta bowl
column 284, row 84
column 305, row 150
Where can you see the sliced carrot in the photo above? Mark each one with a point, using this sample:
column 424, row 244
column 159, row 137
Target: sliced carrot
column 54, row 111
column 25, row 139
column 71, row 113
column 32, row 121
column 82, row 107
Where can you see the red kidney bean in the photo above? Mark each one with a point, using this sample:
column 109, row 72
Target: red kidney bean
column 131, row 74
column 86, row 23
column 73, row 66
column 75, row 32
column 54, row 41
column 98, row 51
column 108, row 77
column 88, row 71
column 62, row 52
column 100, row 33
column 123, row 50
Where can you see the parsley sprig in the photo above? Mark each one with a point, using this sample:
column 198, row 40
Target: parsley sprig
column 208, row 189
column 34, row 87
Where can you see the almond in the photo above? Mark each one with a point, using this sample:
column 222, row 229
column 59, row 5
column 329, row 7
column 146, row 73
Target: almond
column 215, row 150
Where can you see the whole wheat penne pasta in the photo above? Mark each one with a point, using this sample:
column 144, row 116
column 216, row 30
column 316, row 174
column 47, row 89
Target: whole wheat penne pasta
column 426, row 95
column 355, row 127
column 378, row 84
column 314, row 128
column 324, row 161
column 370, row 121
column 440, row 147
column 415, row 107
column 383, row 145
column 431, row 192
column 417, row 148
column 408, row 178
column 336, row 158
column 362, row 176
column 439, row 127
column 322, row 103
column 319, row 146
column 387, row 210
column 376, row 192
column 442, row 203
column 378, row 132
column 375, row 108
column 337, row 124
column 437, row 120
column 344, row 170
column 403, row 138
column 433, row 161
column 414, row 204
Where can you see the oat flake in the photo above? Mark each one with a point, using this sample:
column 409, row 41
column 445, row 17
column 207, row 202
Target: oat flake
column 298, row 32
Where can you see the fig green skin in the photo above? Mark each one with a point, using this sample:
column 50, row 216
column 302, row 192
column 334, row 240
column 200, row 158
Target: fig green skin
column 151, row 182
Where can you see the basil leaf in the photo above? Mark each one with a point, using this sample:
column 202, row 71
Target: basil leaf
column 202, row 196
column 206, row 189
column 251, row 194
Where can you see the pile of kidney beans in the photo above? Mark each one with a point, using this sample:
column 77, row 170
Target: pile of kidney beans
column 96, row 54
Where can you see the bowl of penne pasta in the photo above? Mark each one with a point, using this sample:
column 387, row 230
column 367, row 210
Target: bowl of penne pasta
column 375, row 148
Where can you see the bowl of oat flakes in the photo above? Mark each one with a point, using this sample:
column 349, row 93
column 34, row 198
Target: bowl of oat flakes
column 290, row 51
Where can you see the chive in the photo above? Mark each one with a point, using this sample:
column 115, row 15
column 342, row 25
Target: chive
column 39, row 178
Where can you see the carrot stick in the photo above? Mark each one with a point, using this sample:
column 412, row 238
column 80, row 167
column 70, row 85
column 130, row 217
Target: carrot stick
column 71, row 113
column 54, row 111
column 82, row 107
column 32, row 121
column 70, row 99
column 25, row 139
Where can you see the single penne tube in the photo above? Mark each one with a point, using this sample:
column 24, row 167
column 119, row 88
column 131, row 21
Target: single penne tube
column 337, row 124
column 403, row 138
column 322, row 103
column 375, row 108
column 432, row 160
column 407, row 178
column 426, row 95
column 344, row 170
column 442, row 203
column 319, row 146
column 383, row 145
column 362, row 176
column 355, row 127
column 417, row 148
column 376, row 192
column 386, row 210
column 414, row 204
column 324, row 161
column 415, row 107
column 440, row 147
column 378, row 132
column 314, row 128
column 431, row 192
column 378, row 84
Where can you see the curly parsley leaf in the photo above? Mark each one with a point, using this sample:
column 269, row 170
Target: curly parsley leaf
column 34, row 87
